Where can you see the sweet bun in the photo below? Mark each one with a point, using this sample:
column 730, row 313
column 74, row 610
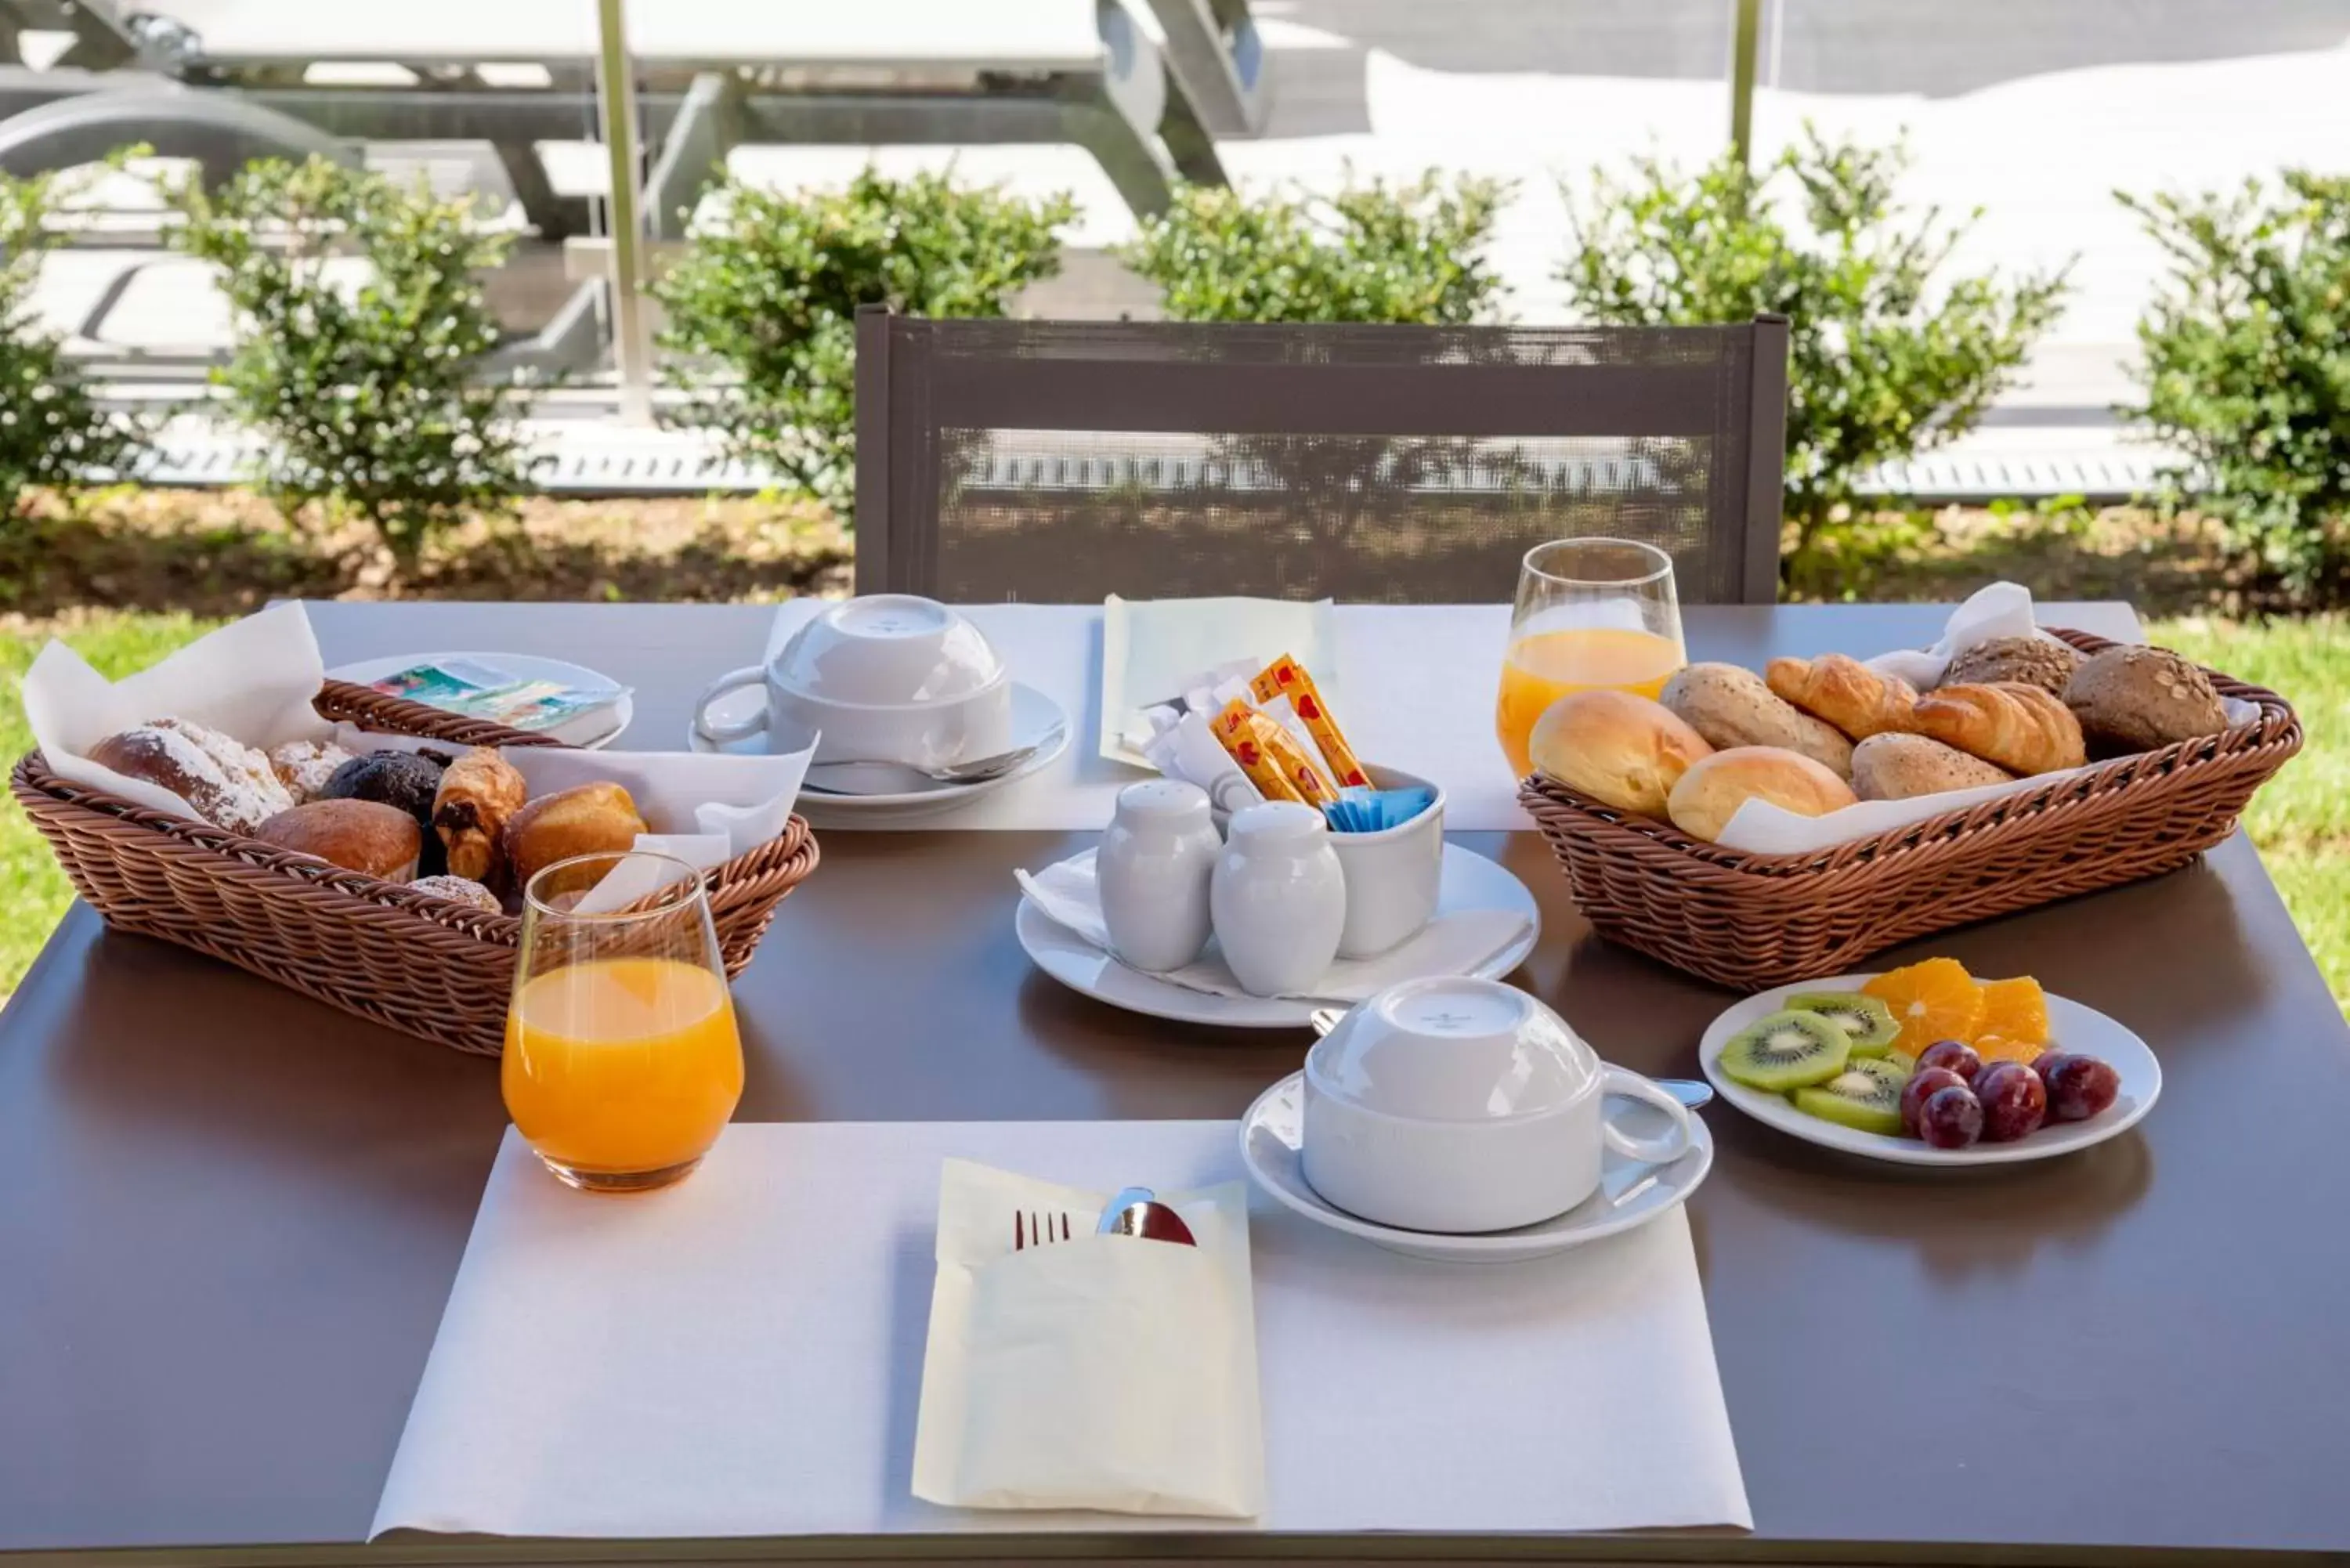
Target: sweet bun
column 1622, row 750
column 1899, row 766
column 589, row 819
column 356, row 834
column 479, row 793
column 1731, row 707
column 459, row 890
column 1714, row 787
column 2132, row 699
column 224, row 782
column 305, row 766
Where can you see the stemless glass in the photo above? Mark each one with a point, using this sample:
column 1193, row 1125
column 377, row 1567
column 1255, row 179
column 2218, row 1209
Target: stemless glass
column 1591, row 613
column 622, row 1062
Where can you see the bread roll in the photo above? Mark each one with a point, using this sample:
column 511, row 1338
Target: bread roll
column 2021, row 728
column 2134, row 698
column 1845, row 692
column 1898, row 767
column 1733, row 707
column 459, row 890
column 305, row 766
column 1619, row 748
column 224, row 782
column 356, row 834
column 2041, row 662
column 589, row 819
column 479, row 793
column 1714, row 787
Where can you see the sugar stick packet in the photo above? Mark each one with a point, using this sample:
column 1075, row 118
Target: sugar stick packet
column 1285, row 677
column 1275, row 762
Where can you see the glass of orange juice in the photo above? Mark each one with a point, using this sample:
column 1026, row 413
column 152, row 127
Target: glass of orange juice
column 1591, row 613
column 622, row 1062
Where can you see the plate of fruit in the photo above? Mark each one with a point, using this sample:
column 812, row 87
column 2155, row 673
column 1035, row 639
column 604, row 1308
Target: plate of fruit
column 1929, row 1065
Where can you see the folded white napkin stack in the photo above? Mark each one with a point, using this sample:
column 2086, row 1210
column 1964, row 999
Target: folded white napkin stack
column 1096, row 1372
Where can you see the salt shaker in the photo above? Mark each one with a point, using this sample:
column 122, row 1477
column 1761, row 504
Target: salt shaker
column 1153, row 867
column 1279, row 898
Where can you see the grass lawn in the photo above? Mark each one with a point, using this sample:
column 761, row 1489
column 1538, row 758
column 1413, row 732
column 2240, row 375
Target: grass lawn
column 2301, row 820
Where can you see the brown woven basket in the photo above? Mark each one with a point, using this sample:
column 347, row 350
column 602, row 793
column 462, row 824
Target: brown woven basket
column 422, row 965
column 1753, row 921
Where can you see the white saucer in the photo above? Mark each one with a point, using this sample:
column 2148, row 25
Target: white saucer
column 522, row 667
column 1630, row 1193
column 1468, row 881
column 1036, row 720
column 2071, row 1027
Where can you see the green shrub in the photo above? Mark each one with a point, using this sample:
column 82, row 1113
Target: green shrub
column 2247, row 369
column 361, row 331
column 769, row 294
column 52, row 431
column 1374, row 253
column 1886, row 359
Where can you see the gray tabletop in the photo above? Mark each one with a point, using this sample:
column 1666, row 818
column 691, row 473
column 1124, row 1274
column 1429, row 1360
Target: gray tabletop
column 233, row 1215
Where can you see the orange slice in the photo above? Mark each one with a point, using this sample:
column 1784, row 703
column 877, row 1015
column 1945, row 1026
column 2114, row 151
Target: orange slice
column 2015, row 1010
column 2004, row 1048
column 1936, row 1000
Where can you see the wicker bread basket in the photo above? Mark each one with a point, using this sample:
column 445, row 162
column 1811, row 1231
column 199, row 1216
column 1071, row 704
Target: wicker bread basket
column 1753, row 921
column 422, row 965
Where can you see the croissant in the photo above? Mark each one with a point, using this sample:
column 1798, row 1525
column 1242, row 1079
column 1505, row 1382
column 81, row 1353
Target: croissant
column 1846, row 694
column 478, row 793
column 2021, row 728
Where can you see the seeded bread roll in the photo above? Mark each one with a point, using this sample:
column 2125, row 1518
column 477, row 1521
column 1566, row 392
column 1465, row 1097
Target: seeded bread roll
column 2034, row 660
column 1733, row 707
column 2132, row 699
column 1896, row 767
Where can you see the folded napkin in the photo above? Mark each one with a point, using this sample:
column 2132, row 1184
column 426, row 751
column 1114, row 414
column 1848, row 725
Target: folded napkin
column 1099, row 1372
column 1455, row 942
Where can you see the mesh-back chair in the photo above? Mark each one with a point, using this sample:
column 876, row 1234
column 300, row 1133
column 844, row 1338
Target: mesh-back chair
column 1065, row 461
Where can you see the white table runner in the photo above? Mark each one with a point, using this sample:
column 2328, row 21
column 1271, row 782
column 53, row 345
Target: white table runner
column 1418, row 687
column 742, row 1355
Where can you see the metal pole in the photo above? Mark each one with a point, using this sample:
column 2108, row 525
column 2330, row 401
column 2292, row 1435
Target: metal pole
column 616, row 96
column 1741, row 80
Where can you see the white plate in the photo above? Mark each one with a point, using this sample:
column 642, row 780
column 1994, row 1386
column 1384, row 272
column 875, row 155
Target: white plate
column 1036, row 720
column 1468, row 881
column 522, row 667
column 1630, row 1193
column 2071, row 1027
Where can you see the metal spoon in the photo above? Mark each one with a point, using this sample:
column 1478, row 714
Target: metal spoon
column 1688, row 1091
column 976, row 769
column 1136, row 1211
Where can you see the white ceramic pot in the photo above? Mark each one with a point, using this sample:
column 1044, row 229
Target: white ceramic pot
column 1461, row 1106
column 888, row 678
column 1392, row 875
column 1278, row 898
column 1154, row 867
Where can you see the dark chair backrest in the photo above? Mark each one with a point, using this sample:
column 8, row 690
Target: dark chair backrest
column 1065, row 461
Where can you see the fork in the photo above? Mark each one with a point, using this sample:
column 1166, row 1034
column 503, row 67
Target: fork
column 1040, row 1229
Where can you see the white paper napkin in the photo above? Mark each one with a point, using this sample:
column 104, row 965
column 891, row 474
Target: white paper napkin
column 1151, row 646
column 1098, row 1372
column 1455, row 942
column 253, row 678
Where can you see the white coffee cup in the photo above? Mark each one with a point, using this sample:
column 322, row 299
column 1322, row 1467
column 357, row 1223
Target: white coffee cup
column 1461, row 1106
column 887, row 677
column 1392, row 876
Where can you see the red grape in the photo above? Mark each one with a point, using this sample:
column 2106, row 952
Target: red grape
column 1954, row 1055
column 2046, row 1062
column 2014, row 1101
column 1919, row 1088
column 1951, row 1117
column 2081, row 1086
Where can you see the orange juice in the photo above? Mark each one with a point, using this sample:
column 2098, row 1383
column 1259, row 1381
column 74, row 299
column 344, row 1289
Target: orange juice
column 1544, row 667
column 622, row 1065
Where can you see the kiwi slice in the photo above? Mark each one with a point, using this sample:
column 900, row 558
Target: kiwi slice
column 1867, row 1094
column 1867, row 1020
column 1785, row 1051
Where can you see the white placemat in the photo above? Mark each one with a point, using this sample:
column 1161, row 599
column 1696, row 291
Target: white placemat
column 741, row 1355
column 1419, row 686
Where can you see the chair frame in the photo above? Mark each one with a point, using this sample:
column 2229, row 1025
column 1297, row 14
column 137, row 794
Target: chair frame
column 907, row 392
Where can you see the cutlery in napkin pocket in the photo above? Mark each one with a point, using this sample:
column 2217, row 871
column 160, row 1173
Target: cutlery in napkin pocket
column 1102, row 1372
column 1150, row 647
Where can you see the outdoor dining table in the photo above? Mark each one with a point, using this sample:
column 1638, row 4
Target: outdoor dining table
column 231, row 1216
